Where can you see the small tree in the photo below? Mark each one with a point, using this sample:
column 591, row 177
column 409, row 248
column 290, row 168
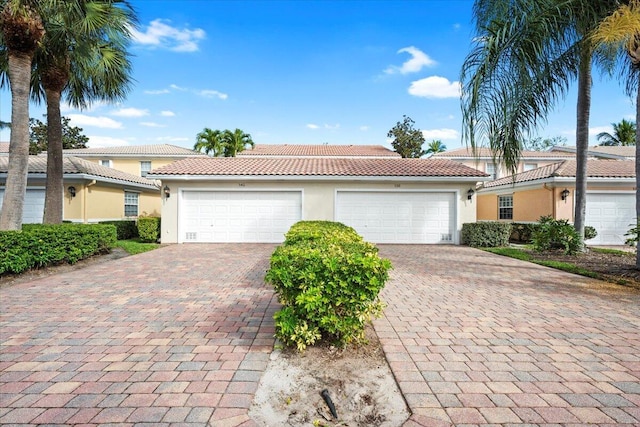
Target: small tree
column 407, row 141
column 624, row 133
column 436, row 146
column 543, row 144
column 72, row 136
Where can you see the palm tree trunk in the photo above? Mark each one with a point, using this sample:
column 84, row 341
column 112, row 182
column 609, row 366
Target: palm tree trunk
column 638, row 166
column 582, row 140
column 16, row 185
column 54, row 189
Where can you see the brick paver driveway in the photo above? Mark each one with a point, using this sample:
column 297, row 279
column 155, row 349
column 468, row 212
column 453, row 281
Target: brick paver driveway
column 177, row 335
column 474, row 338
column 182, row 335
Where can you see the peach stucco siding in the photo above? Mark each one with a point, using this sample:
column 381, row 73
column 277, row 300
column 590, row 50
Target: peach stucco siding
column 529, row 206
column 487, row 209
column 131, row 166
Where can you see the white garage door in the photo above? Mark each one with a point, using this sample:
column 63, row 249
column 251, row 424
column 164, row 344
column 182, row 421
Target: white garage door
column 611, row 215
column 238, row 216
column 398, row 217
column 33, row 209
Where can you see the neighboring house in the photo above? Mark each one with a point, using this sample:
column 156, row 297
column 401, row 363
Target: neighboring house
column 134, row 159
column 550, row 190
column 247, row 199
column 4, row 148
column 603, row 152
column 321, row 150
column 92, row 192
column 484, row 161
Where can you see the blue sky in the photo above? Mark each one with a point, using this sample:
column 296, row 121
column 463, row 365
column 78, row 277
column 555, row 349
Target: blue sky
column 302, row 72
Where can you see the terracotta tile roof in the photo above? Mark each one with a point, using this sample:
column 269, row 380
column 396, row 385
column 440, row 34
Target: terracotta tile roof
column 596, row 168
column 482, row 152
column 602, row 151
column 160, row 150
column 4, row 147
column 323, row 166
column 293, row 150
column 76, row 166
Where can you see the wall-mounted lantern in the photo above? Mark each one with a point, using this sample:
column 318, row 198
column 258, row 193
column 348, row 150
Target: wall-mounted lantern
column 470, row 194
column 167, row 191
column 565, row 193
column 72, row 191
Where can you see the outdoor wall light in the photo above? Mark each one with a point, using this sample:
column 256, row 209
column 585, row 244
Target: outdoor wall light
column 564, row 195
column 72, row 191
column 167, row 191
column 470, row 194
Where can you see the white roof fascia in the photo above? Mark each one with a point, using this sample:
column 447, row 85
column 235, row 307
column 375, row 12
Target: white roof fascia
column 314, row 178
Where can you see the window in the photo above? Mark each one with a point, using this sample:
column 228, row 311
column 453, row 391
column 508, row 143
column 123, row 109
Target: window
column 145, row 167
column 530, row 166
column 106, row 163
column 130, row 204
column 505, row 207
column 490, row 168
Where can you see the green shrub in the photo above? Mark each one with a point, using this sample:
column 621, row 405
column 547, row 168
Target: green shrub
column 487, row 234
column 589, row 232
column 125, row 229
column 633, row 233
column 40, row 245
column 149, row 229
column 328, row 280
column 556, row 234
column 522, row 232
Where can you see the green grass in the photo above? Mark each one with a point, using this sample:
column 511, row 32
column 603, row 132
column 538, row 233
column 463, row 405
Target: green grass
column 611, row 251
column 136, row 247
column 559, row 265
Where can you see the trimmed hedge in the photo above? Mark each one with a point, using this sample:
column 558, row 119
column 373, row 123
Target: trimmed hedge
column 149, row 229
column 522, row 232
column 40, row 245
column 487, row 234
column 125, row 229
column 328, row 280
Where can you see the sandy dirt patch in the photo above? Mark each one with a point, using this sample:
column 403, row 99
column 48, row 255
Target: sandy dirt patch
column 358, row 379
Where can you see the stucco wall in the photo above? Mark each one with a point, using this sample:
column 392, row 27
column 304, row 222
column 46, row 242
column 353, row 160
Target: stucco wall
column 487, row 209
column 131, row 166
column 529, row 206
column 318, row 197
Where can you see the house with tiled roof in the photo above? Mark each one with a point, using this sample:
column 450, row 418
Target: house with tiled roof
column 320, row 150
column 256, row 198
column 134, row 159
column 92, row 192
column 550, row 190
column 618, row 152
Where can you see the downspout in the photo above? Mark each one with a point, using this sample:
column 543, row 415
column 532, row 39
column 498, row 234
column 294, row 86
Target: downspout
column 84, row 200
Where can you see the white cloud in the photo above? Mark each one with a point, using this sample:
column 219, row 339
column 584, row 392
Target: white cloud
column 176, row 87
column 364, row 128
column 418, row 60
column 157, row 92
column 159, row 34
column 106, row 141
column 313, row 126
column 152, row 125
column 435, row 87
column 130, row 112
column 100, row 122
column 207, row 93
column 593, row 131
column 171, row 139
column 167, row 113
column 444, row 133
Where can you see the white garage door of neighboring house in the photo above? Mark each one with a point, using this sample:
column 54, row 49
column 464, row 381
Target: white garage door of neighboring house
column 612, row 215
column 238, row 216
column 33, row 209
column 399, row 217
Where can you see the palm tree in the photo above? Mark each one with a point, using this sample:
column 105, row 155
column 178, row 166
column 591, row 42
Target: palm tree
column 21, row 30
column 210, row 142
column 434, row 147
column 235, row 142
column 97, row 68
column 624, row 133
column 621, row 30
column 526, row 54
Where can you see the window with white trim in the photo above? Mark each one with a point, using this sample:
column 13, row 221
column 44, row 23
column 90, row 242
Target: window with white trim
column 490, row 169
column 145, row 168
column 130, row 203
column 530, row 166
column 106, row 163
column 505, row 207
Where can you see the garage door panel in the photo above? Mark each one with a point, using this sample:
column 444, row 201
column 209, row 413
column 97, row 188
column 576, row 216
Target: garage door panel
column 611, row 214
column 241, row 216
column 398, row 217
column 33, row 206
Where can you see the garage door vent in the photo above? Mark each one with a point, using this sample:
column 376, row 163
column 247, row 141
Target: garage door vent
column 446, row 237
column 191, row 236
